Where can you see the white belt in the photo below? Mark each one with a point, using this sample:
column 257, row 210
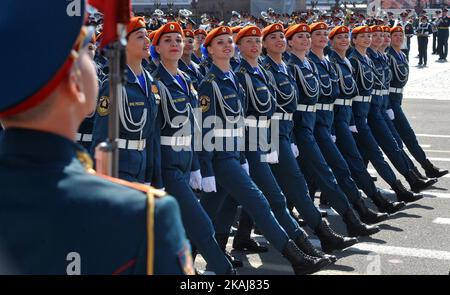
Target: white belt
column 282, row 116
column 362, row 98
column 385, row 91
column 176, row 140
column 84, row 137
column 395, row 90
column 306, row 108
column 324, row 106
column 132, row 144
column 378, row 92
column 257, row 123
column 238, row 132
column 343, row 102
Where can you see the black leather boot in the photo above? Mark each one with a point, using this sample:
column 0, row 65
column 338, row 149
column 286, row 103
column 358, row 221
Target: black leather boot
column 403, row 194
column 417, row 185
column 366, row 214
column 222, row 240
column 385, row 205
column 330, row 240
column 248, row 244
column 242, row 240
column 304, row 244
column 433, row 171
column 418, row 174
column 357, row 228
column 302, row 263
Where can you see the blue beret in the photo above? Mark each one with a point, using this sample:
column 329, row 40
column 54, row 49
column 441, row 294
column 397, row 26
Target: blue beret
column 40, row 36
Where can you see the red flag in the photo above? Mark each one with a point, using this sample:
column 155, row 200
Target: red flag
column 114, row 12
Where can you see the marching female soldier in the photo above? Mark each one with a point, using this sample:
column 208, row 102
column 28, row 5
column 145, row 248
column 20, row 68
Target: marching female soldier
column 223, row 107
column 236, row 59
column 386, row 110
column 260, row 107
column 287, row 171
column 84, row 134
column 340, row 41
column 199, row 38
column 139, row 157
column 186, row 63
column 376, row 121
column 329, row 91
column 312, row 160
column 368, row 146
column 152, row 62
column 177, row 122
column 400, row 73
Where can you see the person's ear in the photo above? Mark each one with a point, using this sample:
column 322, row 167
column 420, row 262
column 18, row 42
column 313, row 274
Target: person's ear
column 74, row 84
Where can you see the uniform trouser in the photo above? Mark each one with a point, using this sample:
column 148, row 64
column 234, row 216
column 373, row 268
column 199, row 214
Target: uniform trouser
column 423, row 45
column 199, row 228
column 442, row 47
column 293, row 184
column 263, row 177
column 336, row 162
column 349, row 150
column 233, row 182
column 212, row 203
column 386, row 140
column 312, row 160
column 405, row 130
column 369, row 149
column 217, row 205
column 397, row 137
column 133, row 167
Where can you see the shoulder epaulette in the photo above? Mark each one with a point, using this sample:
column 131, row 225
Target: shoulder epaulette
column 137, row 186
column 88, row 164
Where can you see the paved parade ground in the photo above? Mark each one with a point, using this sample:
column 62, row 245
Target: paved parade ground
column 416, row 240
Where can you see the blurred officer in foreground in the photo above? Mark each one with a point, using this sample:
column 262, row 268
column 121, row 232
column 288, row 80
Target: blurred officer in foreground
column 66, row 219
